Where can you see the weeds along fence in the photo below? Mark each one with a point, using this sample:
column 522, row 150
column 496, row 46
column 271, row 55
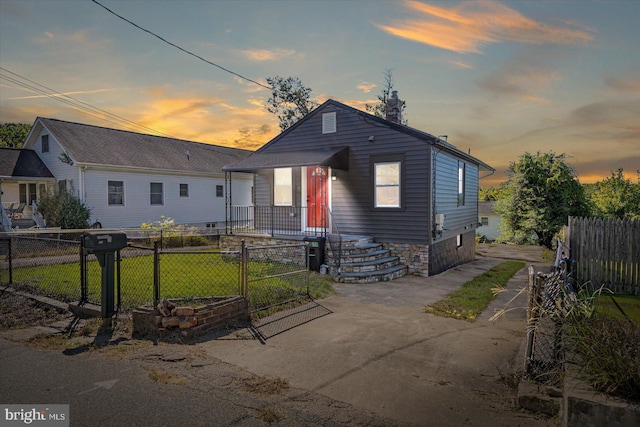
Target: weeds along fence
column 551, row 296
column 606, row 253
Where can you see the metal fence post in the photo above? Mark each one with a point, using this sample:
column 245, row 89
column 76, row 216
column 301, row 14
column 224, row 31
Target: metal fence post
column 118, row 260
column 244, row 270
column 10, row 255
column 83, row 273
column 156, row 274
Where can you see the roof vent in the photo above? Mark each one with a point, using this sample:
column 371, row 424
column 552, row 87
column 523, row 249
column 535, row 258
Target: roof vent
column 329, row 122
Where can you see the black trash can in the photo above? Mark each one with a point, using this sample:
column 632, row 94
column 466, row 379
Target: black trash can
column 316, row 252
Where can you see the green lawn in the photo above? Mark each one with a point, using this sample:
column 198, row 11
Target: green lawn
column 182, row 276
column 630, row 305
column 473, row 297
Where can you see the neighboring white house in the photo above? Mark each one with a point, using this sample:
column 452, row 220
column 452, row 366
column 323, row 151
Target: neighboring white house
column 128, row 178
column 488, row 221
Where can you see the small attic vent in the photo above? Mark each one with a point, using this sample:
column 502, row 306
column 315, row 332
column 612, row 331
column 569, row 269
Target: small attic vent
column 329, row 123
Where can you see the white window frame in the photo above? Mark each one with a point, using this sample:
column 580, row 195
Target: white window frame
column 379, row 187
column 109, row 193
column 283, row 187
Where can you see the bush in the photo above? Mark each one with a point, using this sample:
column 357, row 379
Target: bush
column 61, row 209
column 172, row 235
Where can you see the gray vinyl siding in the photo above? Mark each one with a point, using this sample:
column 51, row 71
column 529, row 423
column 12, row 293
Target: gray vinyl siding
column 458, row 219
column 352, row 190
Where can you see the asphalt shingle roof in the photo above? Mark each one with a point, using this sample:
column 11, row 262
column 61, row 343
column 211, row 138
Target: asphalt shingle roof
column 88, row 144
column 16, row 162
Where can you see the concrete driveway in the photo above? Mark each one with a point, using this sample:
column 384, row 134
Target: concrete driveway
column 380, row 352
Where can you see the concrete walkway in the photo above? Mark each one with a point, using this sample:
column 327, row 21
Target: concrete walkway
column 378, row 350
column 376, row 359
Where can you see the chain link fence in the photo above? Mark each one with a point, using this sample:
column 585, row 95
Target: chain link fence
column 550, row 299
column 42, row 266
column 189, row 274
column 273, row 276
column 270, row 278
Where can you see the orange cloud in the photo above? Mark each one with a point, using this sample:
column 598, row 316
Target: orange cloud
column 268, row 55
column 366, row 86
column 465, row 28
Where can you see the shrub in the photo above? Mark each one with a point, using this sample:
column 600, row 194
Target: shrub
column 61, row 209
column 172, row 235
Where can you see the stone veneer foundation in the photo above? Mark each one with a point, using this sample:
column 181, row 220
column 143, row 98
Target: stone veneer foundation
column 205, row 316
column 415, row 257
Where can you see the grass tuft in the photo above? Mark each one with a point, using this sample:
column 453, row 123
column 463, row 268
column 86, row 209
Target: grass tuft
column 474, row 296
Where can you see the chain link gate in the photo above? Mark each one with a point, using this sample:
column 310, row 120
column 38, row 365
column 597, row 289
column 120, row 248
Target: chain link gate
column 275, row 283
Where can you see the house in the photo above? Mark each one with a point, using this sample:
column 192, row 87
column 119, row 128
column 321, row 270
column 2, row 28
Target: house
column 349, row 176
column 127, row 178
column 488, row 221
column 22, row 176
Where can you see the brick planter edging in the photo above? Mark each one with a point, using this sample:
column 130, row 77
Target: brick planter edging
column 147, row 321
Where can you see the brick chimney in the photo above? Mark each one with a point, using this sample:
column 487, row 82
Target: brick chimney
column 394, row 114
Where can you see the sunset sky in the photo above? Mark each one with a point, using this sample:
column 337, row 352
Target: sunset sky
column 498, row 77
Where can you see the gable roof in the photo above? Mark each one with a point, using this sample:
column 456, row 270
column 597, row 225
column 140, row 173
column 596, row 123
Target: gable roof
column 15, row 162
column 259, row 157
column 95, row 145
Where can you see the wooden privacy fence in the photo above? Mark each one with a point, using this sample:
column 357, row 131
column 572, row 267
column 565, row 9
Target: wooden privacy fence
column 606, row 253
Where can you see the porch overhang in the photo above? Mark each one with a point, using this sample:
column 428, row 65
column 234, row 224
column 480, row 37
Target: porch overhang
column 336, row 158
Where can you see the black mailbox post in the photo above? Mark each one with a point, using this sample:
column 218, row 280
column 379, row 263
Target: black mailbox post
column 104, row 246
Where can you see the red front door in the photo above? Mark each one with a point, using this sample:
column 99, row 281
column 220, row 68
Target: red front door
column 317, row 198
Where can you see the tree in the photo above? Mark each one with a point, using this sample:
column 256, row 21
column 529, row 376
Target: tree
column 379, row 109
column 290, row 100
column 541, row 193
column 13, row 134
column 616, row 197
column 491, row 194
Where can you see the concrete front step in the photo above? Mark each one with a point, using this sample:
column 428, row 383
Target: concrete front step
column 373, row 276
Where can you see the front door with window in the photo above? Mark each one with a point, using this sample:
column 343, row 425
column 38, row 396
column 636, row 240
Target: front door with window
column 317, row 196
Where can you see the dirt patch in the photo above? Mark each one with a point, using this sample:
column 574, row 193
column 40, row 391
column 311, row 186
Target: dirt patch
column 22, row 312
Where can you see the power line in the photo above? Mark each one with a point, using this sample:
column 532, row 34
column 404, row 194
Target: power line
column 73, row 102
column 180, row 48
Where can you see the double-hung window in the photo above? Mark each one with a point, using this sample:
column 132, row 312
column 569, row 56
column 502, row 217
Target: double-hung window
column 387, row 183
column 156, row 194
column 115, row 193
column 283, row 187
